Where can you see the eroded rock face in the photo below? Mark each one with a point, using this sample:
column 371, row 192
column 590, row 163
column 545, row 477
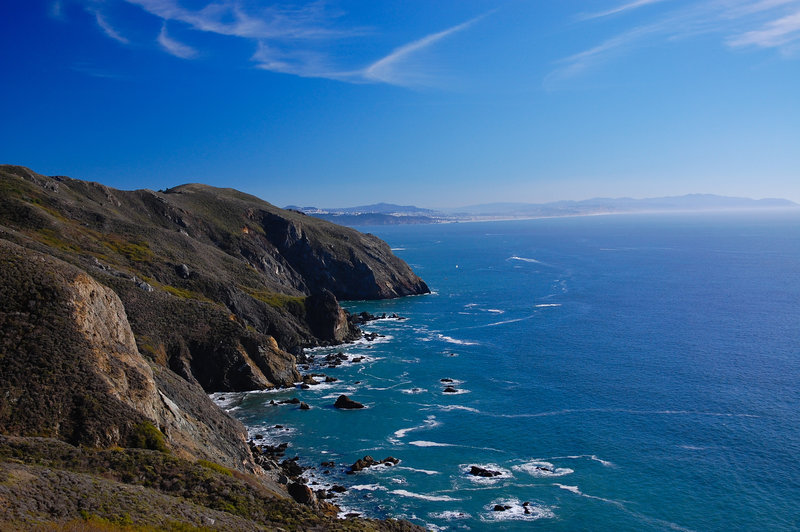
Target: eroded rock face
column 101, row 319
column 329, row 322
column 217, row 285
column 70, row 369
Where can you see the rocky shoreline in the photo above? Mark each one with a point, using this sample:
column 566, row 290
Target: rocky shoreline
column 124, row 309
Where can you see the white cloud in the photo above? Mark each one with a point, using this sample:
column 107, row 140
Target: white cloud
column 773, row 34
column 388, row 69
column 176, row 48
column 619, row 9
column 108, row 29
column 762, row 23
column 291, row 40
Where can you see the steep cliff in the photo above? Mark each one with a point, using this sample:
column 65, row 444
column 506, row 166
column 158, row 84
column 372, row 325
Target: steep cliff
column 111, row 326
column 217, row 285
column 70, row 369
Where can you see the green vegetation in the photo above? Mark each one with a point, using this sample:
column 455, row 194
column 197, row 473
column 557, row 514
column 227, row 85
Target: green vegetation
column 215, row 467
column 294, row 304
column 133, row 250
column 49, row 485
column 50, row 238
column 145, row 435
column 184, row 293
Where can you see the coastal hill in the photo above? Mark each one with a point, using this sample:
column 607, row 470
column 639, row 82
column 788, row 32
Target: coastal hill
column 122, row 310
column 388, row 214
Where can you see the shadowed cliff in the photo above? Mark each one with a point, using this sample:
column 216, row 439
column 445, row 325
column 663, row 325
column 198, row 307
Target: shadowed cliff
column 121, row 310
column 218, row 285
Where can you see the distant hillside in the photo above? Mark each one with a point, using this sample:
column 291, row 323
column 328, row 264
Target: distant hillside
column 690, row 202
column 390, row 214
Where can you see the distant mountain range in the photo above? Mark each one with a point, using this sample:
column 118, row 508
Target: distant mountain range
column 390, row 214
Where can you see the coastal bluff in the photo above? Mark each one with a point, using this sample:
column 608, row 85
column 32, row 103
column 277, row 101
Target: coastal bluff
column 122, row 310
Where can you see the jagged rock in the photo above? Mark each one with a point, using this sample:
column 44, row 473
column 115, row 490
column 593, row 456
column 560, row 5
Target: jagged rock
column 292, row 401
column 450, row 389
column 143, row 285
column 304, row 406
column 183, row 271
column 346, row 403
column 363, row 463
column 328, row 321
column 291, row 468
column 481, row 472
column 302, row 493
column 308, row 379
column 501, row 508
column 331, row 379
column 338, row 489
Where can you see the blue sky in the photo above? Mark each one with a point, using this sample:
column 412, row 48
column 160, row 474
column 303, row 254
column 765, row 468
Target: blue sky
column 433, row 103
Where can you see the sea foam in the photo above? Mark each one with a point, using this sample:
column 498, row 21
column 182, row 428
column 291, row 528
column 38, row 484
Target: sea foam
column 406, row 493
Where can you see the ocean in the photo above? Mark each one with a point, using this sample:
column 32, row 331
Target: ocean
column 624, row 372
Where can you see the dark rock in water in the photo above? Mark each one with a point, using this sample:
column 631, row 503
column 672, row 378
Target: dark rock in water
column 368, row 461
column 526, row 503
column 338, row 489
column 481, row 472
column 331, row 379
column 308, row 379
column 527, row 511
column 328, row 464
column 500, row 508
column 305, row 387
column 358, row 359
column 445, row 380
column 450, row 389
column 363, row 463
column 352, row 515
column 346, row 403
column 292, row 401
column 322, row 494
column 304, row 406
column 545, row 469
column 259, row 437
column 301, row 493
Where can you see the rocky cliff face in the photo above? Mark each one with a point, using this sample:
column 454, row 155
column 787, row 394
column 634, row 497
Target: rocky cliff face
column 70, row 369
column 120, row 310
column 217, row 285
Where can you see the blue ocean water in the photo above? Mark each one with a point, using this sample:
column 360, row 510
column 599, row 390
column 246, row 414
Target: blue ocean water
column 633, row 372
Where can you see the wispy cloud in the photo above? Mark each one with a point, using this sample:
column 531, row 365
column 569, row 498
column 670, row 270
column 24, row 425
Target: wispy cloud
column 108, row 29
column 389, row 69
column 776, row 33
column 619, row 9
column 95, row 72
column 739, row 23
column 176, row 48
column 56, row 10
column 297, row 40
